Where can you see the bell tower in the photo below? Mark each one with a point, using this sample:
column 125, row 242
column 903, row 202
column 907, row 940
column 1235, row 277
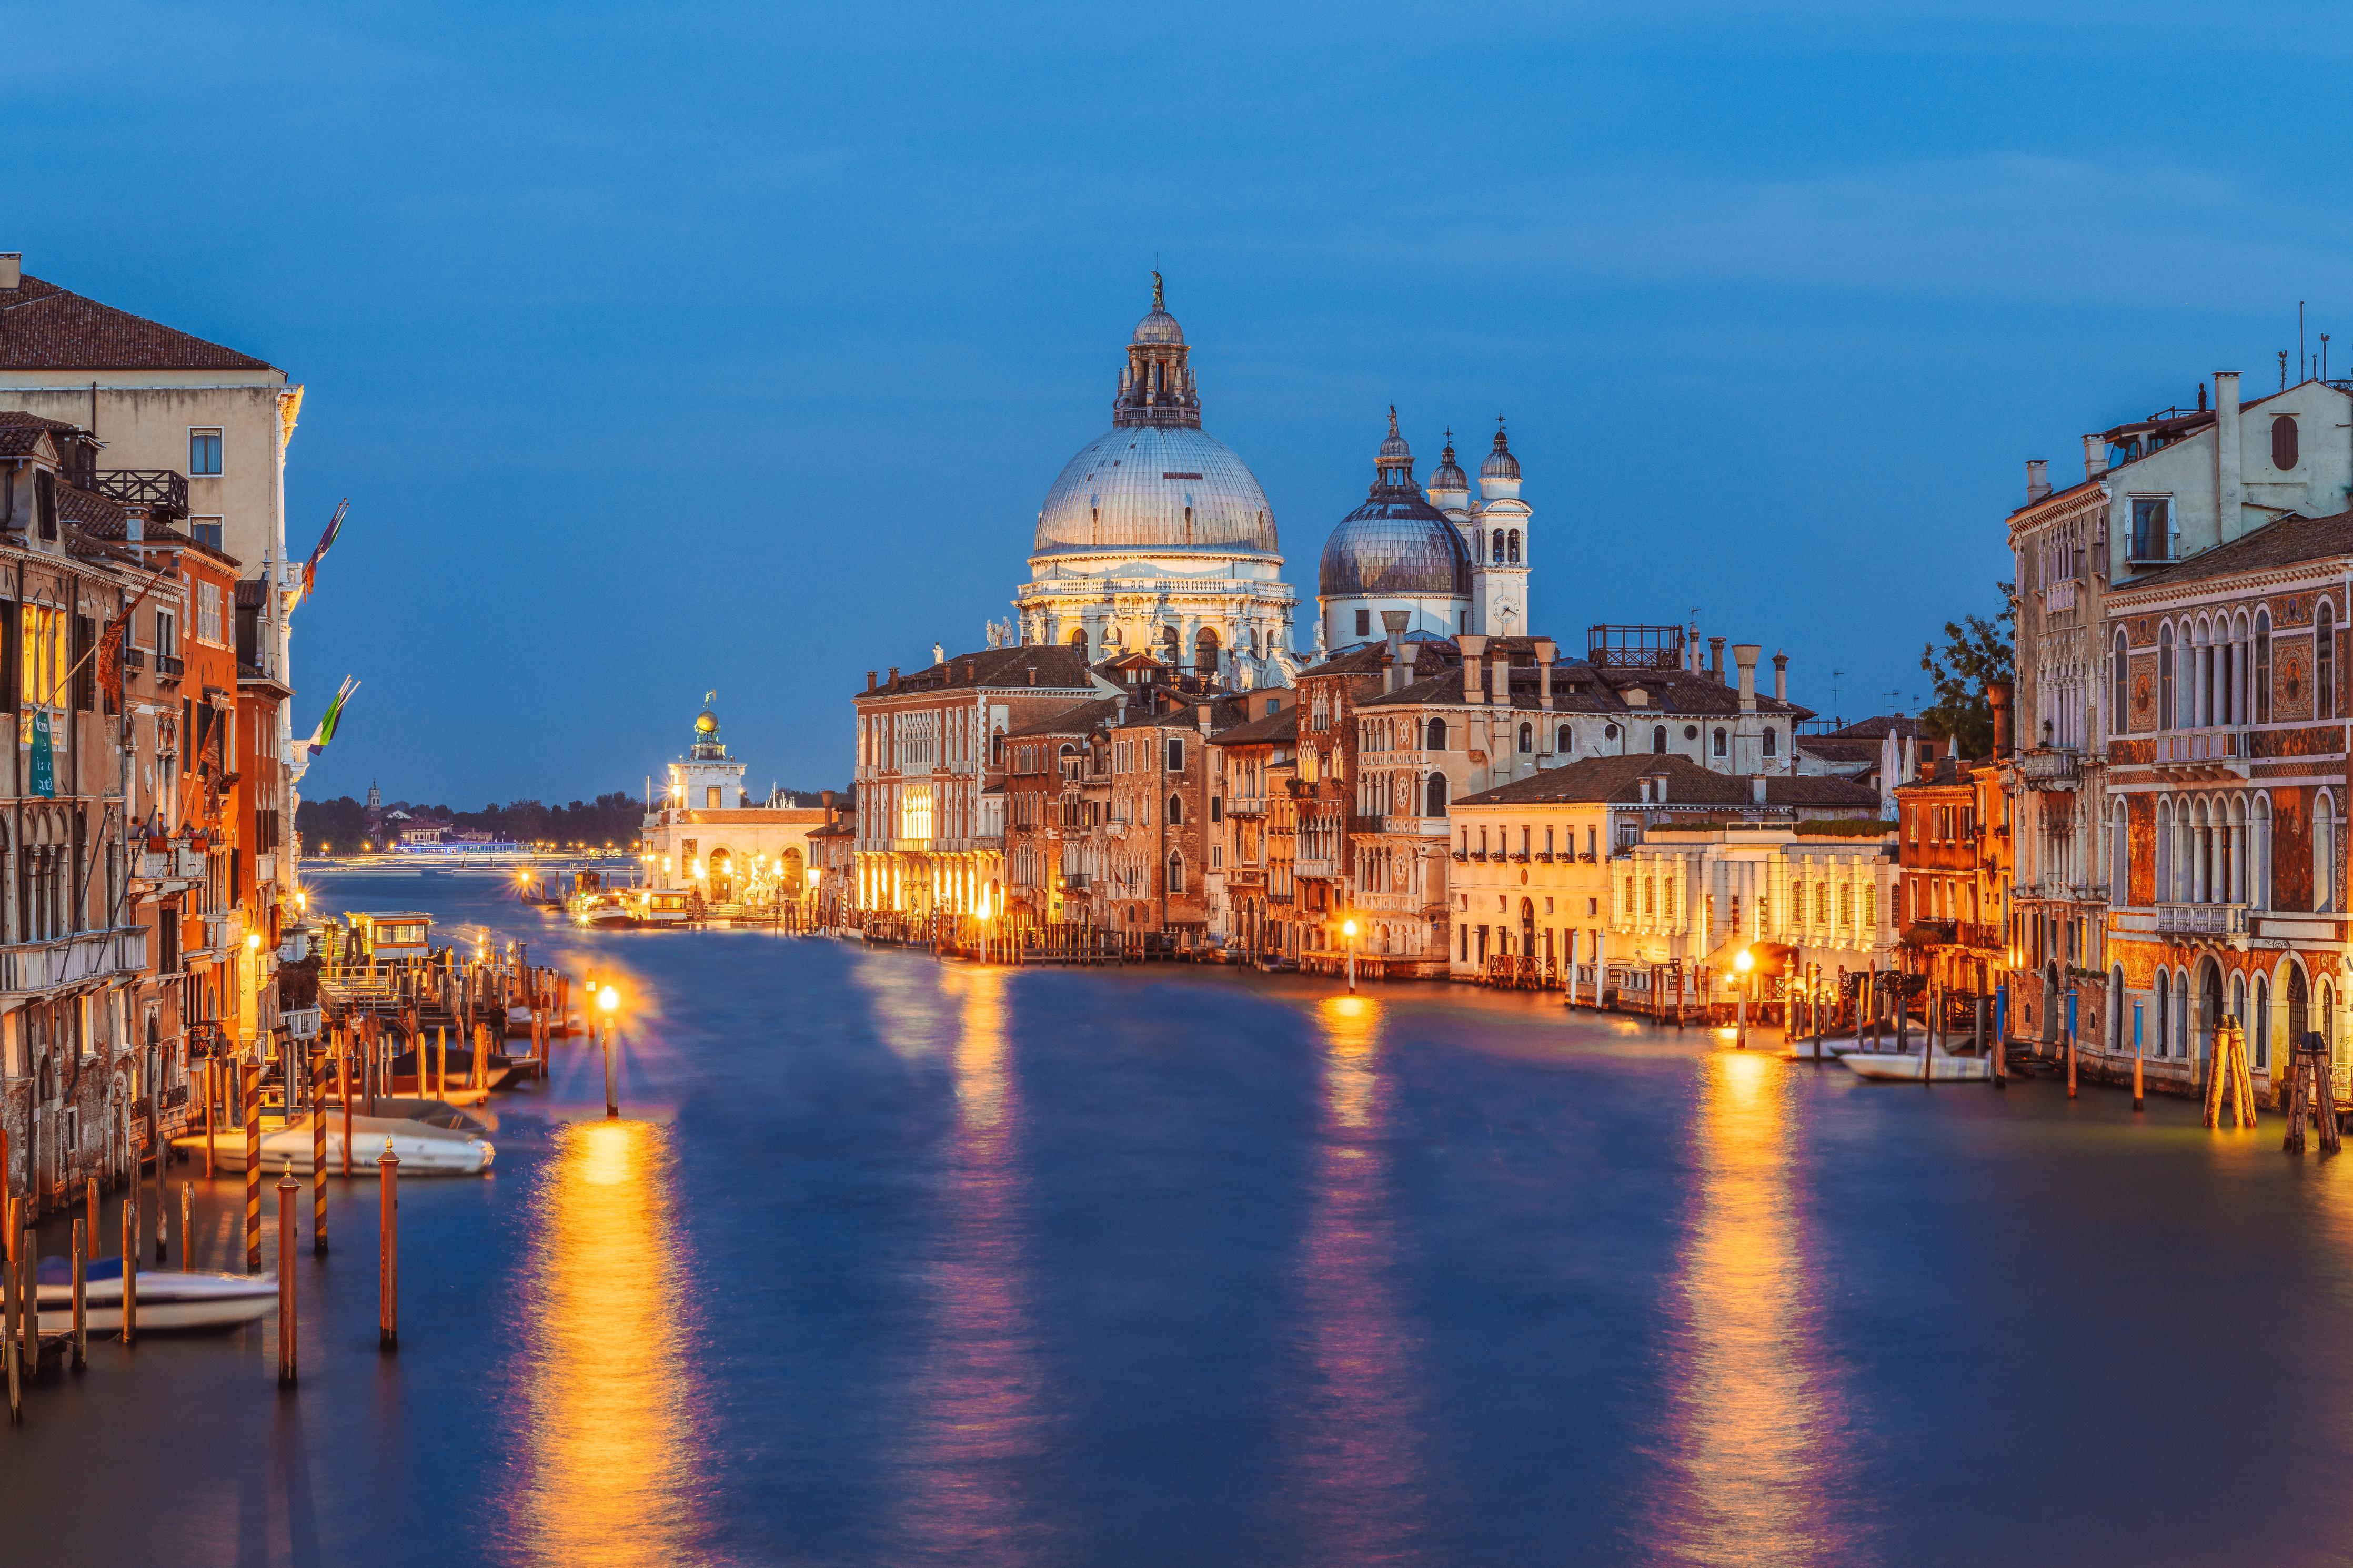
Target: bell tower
column 1500, row 537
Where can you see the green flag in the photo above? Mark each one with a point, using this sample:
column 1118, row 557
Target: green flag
column 44, row 772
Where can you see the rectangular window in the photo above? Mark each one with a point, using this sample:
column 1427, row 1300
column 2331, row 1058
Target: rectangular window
column 1176, row 755
column 205, row 530
column 2152, row 529
column 204, row 454
column 711, row 798
column 208, row 612
column 1364, row 622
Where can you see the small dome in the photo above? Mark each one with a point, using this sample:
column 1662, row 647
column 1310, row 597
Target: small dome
column 1395, row 546
column 1160, row 327
column 1449, row 474
column 1499, row 463
column 1394, row 449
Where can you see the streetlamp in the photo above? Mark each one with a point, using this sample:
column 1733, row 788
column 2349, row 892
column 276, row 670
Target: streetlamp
column 1743, row 961
column 606, row 1001
column 1348, row 939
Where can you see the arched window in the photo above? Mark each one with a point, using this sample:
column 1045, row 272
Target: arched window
column 1515, row 547
column 1495, row 550
column 2117, row 708
column 2298, row 1000
column 1527, row 738
column 2324, row 660
column 2323, row 852
column 2165, row 677
column 1079, row 640
column 2164, row 889
column 1205, row 649
column 1175, row 810
column 2180, row 1014
column 2185, row 683
column 1659, row 740
column 1772, row 742
column 1436, row 740
column 2119, row 858
column 1169, row 647
column 1565, row 742
column 2259, row 1042
column 1719, row 743
column 2284, row 443
column 2258, row 856
column 2261, row 673
column 2164, row 1014
column 1176, row 876
column 1434, row 796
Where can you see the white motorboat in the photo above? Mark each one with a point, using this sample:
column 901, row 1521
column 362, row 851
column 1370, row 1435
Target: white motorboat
column 1802, row 1047
column 423, row 1150
column 168, row 1298
column 1900, row 1067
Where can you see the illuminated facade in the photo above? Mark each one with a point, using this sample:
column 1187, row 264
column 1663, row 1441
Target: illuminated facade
column 931, row 796
column 1156, row 538
column 706, row 834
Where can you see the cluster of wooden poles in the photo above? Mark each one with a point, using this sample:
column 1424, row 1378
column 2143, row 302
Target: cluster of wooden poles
column 359, row 1053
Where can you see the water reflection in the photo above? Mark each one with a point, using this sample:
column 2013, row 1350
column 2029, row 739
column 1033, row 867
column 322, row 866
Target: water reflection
column 977, row 1393
column 1754, row 1417
column 612, row 1448
column 1359, row 1496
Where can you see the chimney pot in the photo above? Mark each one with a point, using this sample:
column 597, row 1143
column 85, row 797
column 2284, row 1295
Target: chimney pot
column 1998, row 698
column 2095, row 456
column 1546, row 651
column 1780, row 677
column 2038, row 479
column 12, row 270
column 894, row 677
column 1744, row 655
column 1474, row 649
column 1716, row 658
column 870, row 680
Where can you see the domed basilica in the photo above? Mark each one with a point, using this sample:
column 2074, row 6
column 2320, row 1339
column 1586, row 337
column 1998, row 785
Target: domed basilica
column 1157, row 539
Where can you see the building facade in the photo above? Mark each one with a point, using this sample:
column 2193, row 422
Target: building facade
column 705, row 833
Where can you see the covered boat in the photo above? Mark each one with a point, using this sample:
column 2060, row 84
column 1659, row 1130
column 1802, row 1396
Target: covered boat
column 423, row 1150
column 168, row 1298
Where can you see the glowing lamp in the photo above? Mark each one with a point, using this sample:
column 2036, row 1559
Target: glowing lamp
column 1742, row 961
column 607, row 999
column 1348, row 929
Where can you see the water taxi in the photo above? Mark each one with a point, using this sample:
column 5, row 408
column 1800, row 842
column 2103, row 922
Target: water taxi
column 663, row 907
column 168, row 1298
column 1909, row 1067
column 424, row 1150
column 383, row 937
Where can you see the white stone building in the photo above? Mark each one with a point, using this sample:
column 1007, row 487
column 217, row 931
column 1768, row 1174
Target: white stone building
column 1447, row 565
column 705, row 833
column 1156, row 538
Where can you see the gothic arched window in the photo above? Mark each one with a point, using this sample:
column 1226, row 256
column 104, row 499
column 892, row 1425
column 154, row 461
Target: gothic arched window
column 1175, row 875
column 1175, row 810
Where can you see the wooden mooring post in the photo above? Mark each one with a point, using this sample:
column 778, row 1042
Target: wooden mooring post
column 81, row 1296
column 130, row 1278
column 288, row 1187
column 388, row 1249
column 249, row 1095
column 2311, row 1098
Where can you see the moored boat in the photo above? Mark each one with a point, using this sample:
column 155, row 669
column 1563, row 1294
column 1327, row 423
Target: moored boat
column 1902, row 1067
column 168, row 1298
column 423, row 1150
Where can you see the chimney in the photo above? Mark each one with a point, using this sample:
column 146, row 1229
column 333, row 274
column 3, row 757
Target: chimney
column 1393, row 623
column 1499, row 676
column 2229, row 493
column 2038, row 479
column 826, row 798
column 1546, row 651
column 1716, row 658
column 1202, row 712
column 1659, row 787
column 1474, row 649
column 1744, row 655
column 2095, row 456
column 870, row 680
column 895, row 678
column 1642, row 790
column 1119, row 714
column 12, row 270
column 1757, row 789
column 1780, row 677
column 1033, row 675
column 1690, row 648
column 1998, row 694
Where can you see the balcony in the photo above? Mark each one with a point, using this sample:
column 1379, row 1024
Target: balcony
column 220, row 931
column 133, row 657
column 167, row 667
column 173, row 865
column 161, row 490
column 1306, row 866
column 34, row 967
column 1422, row 827
column 2051, row 768
column 2206, row 751
column 2212, row 922
column 1245, row 806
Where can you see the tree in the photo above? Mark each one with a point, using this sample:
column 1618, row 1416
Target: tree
column 1978, row 652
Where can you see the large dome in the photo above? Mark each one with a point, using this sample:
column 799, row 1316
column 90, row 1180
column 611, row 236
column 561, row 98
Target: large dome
column 1395, row 547
column 1155, row 487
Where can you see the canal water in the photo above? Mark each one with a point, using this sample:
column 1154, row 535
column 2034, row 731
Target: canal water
column 891, row 1261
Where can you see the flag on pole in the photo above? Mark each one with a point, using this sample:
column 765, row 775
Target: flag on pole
column 318, row 553
column 332, row 717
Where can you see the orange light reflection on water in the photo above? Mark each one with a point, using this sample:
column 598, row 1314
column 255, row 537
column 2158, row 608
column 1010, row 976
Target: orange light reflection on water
column 1755, row 1419
column 978, row 1390
column 612, row 1446
column 1352, row 1433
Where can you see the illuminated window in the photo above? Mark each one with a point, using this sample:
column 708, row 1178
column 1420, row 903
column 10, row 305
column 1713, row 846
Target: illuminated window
column 916, row 813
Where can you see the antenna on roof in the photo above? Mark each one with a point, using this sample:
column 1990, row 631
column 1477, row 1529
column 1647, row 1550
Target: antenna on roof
column 2282, row 358
column 2302, row 365
column 1836, row 676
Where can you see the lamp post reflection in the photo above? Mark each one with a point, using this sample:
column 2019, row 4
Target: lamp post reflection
column 1754, row 1422
column 612, row 1450
column 1359, row 1478
column 978, row 1387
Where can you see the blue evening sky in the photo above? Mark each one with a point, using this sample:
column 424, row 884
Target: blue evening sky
column 664, row 348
